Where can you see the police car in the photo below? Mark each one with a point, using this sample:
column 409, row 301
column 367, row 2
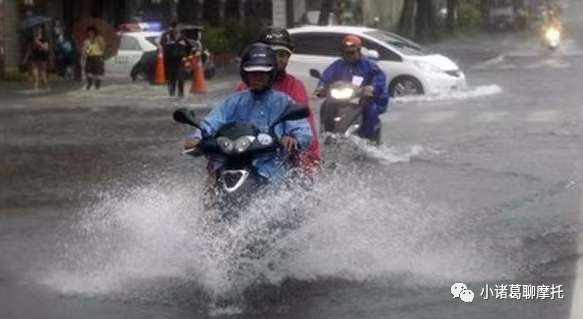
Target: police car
column 137, row 54
column 135, row 46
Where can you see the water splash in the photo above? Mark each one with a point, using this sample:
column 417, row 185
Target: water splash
column 364, row 233
column 479, row 91
column 384, row 154
column 358, row 224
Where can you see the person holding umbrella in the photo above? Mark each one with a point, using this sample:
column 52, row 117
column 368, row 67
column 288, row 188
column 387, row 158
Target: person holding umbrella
column 37, row 54
column 93, row 57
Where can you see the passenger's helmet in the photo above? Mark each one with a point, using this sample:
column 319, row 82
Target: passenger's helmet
column 259, row 57
column 278, row 38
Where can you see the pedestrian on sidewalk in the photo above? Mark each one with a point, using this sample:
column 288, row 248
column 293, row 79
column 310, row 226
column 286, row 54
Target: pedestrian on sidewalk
column 64, row 52
column 175, row 48
column 37, row 54
column 93, row 57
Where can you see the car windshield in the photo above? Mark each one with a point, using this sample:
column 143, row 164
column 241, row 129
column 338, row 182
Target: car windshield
column 153, row 40
column 405, row 46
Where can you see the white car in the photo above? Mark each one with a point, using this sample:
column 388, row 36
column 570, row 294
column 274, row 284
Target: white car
column 133, row 47
column 409, row 69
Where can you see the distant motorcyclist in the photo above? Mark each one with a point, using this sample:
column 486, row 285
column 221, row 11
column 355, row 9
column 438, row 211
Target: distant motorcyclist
column 552, row 20
column 279, row 40
column 260, row 105
column 355, row 68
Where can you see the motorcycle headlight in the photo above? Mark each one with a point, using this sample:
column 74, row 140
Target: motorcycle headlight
column 341, row 94
column 264, row 139
column 553, row 34
column 243, row 143
column 225, row 144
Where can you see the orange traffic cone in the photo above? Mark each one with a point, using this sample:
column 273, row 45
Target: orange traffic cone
column 160, row 74
column 198, row 84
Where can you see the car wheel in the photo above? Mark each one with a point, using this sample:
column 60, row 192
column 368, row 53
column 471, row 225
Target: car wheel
column 405, row 86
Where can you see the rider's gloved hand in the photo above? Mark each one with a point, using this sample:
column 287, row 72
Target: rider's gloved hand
column 319, row 92
column 368, row 91
column 191, row 143
column 289, row 143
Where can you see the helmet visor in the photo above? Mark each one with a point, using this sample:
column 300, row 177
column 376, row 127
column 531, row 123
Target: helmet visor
column 257, row 68
column 281, row 48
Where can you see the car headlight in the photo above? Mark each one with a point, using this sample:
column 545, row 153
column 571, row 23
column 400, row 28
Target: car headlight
column 341, row 94
column 226, row 145
column 427, row 67
column 243, row 143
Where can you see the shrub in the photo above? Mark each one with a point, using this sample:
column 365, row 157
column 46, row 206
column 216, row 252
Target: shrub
column 234, row 37
column 215, row 40
column 469, row 16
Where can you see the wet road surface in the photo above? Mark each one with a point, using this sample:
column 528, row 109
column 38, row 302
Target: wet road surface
column 99, row 212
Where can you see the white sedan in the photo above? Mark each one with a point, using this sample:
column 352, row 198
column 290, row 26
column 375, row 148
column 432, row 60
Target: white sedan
column 134, row 47
column 409, row 69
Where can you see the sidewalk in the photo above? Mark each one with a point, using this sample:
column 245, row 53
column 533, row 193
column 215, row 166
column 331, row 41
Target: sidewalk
column 114, row 91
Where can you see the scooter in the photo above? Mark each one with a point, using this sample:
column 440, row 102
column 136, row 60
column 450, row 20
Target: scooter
column 340, row 113
column 552, row 38
column 237, row 145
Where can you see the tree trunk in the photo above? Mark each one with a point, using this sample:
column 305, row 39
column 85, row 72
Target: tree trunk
column 450, row 21
column 425, row 20
column 325, row 11
column 406, row 22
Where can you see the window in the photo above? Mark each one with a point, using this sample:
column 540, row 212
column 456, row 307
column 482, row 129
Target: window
column 130, row 44
column 384, row 53
column 398, row 43
column 326, row 44
column 153, row 40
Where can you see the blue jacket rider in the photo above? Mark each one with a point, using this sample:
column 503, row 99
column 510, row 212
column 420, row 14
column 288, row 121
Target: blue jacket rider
column 259, row 105
column 354, row 67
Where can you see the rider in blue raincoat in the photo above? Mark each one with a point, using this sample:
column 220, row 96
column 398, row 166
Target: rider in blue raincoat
column 260, row 105
column 354, row 67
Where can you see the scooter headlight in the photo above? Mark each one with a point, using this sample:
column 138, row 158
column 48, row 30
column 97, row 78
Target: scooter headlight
column 341, row 93
column 264, row 139
column 243, row 143
column 226, row 145
column 238, row 146
column 553, row 34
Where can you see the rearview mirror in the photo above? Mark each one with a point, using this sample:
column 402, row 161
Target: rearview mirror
column 315, row 74
column 373, row 54
column 292, row 113
column 186, row 116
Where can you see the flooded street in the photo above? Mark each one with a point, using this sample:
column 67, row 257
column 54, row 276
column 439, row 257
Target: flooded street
column 100, row 216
